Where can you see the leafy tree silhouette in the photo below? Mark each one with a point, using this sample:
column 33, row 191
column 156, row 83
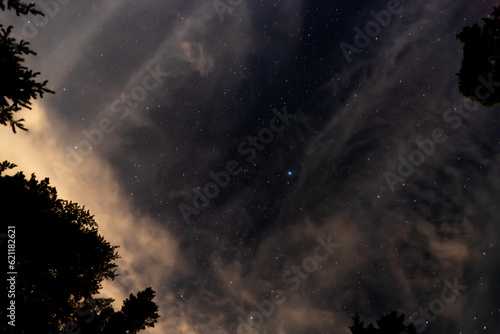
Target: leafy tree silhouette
column 137, row 313
column 61, row 261
column 481, row 58
column 17, row 83
column 388, row 324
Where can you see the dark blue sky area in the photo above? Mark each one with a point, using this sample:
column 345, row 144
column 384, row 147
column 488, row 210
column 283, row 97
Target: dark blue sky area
column 221, row 239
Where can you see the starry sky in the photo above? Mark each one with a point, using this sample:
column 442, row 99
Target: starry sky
column 251, row 158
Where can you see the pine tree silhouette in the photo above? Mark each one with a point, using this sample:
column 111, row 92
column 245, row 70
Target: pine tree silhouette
column 17, row 83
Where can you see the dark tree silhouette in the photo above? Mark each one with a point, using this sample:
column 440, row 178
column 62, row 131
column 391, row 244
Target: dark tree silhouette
column 481, row 58
column 388, row 324
column 17, row 83
column 19, row 7
column 61, row 261
column 137, row 313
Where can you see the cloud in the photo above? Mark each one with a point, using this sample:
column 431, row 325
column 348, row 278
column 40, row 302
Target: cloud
column 395, row 247
column 148, row 252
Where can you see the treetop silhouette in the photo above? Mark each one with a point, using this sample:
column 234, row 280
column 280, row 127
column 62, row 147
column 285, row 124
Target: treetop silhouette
column 481, row 59
column 391, row 323
column 18, row 85
column 61, row 262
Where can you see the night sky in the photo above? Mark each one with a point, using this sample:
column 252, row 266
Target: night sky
column 248, row 157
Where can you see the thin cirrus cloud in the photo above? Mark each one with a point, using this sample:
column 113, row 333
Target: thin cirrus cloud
column 396, row 248
column 93, row 184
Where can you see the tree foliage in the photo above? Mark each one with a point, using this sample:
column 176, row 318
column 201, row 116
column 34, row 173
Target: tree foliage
column 481, row 58
column 61, row 261
column 19, row 7
column 18, row 84
column 388, row 324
